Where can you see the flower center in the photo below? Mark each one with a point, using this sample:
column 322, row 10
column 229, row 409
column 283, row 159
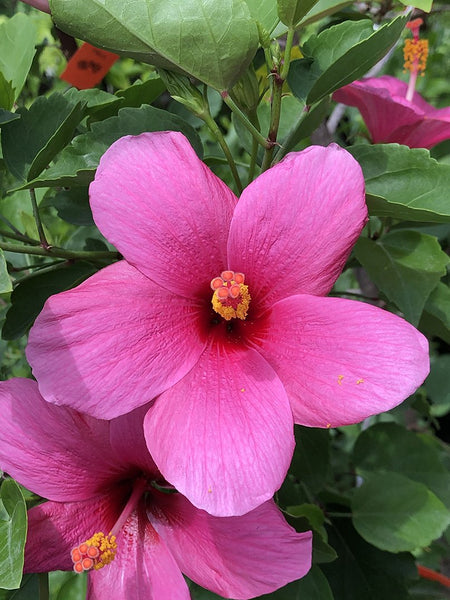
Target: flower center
column 415, row 53
column 100, row 549
column 230, row 298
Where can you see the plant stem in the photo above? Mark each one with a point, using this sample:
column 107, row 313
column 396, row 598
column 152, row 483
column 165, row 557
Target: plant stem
column 56, row 252
column 244, row 120
column 19, row 237
column 215, row 130
column 278, row 79
column 37, row 218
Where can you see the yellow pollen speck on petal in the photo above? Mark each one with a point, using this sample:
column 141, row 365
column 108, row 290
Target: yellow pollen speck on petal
column 328, row 425
column 95, row 553
column 242, row 389
column 339, row 379
column 358, row 381
column 231, row 298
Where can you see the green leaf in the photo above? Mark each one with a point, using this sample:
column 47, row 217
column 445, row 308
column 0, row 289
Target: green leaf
column 424, row 5
column 437, row 385
column 291, row 12
column 311, row 459
column 18, row 37
column 406, row 266
column 30, row 143
column 397, row 514
column 67, row 585
column 265, row 12
column 6, row 116
column 309, row 122
column 78, row 162
column 13, row 531
column 436, row 314
column 314, row 586
column 361, row 571
column 72, row 205
column 404, row 183
column 323, row 9
column 29, row 296
column 212, row 40
column 5, row 280
column 390, row 447
column 6, row 93
column 29, row 589
column 339, row 55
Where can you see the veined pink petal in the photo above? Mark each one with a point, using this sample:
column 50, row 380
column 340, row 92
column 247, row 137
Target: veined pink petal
column 45, row 447
column 113, row 343
column 54, row 528
column 341, row 360
column 236, row 557
column 128, row 442
column 223, row 435
column 432, row 129
column 164, row 210
column 143, row 569
column 295, row 225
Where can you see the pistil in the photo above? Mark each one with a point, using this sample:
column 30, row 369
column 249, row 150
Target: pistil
column 100, row 549
column 415, row 53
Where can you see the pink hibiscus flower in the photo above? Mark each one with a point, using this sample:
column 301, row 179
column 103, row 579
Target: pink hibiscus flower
column 227, row 388
column 392, row 110
column 390, row 117
column 100, row 478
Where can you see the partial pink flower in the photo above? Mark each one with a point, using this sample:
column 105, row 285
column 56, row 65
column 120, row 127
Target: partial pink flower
column 391, row 118
column 229, row 368
column 104, row 488
column 39, row 4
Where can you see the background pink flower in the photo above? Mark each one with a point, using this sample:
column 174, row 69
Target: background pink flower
column 227, row 391
column 91, row 469
column 391, row 118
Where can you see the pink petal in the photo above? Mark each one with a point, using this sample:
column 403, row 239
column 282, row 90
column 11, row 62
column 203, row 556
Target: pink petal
column 295, row 225
column 113, row 343
column 54, row 528
column 432, row 129
column 128, row 442
column 236, row 557
column 164, row 210
column 341, row 360
column 54, row 452
column 143, row 569
column 223, row 435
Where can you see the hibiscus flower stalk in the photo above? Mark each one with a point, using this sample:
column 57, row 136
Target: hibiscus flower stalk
column 56, row 252
column 415, row 52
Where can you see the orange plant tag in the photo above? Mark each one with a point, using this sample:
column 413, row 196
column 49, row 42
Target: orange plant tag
column 88, row 66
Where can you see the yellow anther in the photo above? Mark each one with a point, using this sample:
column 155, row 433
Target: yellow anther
column 340, row 378
column 415, row 53
column 358, row 381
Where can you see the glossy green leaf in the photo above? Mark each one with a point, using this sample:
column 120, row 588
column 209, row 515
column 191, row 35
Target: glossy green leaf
column 212, row 40
column 72, row 205
column 67, row 585
column 308, row 123
column 6, row 93
column 363, row 572
column 322, row 9
column 390, row 447
column 339, row 55
column 18, row 37
column 13, row 530
column 394, row 513
column 436, row 314
column 29, row 296
column 29, row 589
column 78, row 162
column 406, row 266
column 404, row 183
column 314, row 586
column 31, row 142
column 291, row 12
column 5, row 280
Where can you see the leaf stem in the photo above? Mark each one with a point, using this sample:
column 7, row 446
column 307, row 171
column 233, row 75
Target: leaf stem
column 37, row 218
column 20, row 237
column 56, row 252
column 257, row 135
column 215, row 130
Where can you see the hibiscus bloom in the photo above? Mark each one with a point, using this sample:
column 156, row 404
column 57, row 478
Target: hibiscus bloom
column 230, row 368
column 100, row 478
column 390, row 117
